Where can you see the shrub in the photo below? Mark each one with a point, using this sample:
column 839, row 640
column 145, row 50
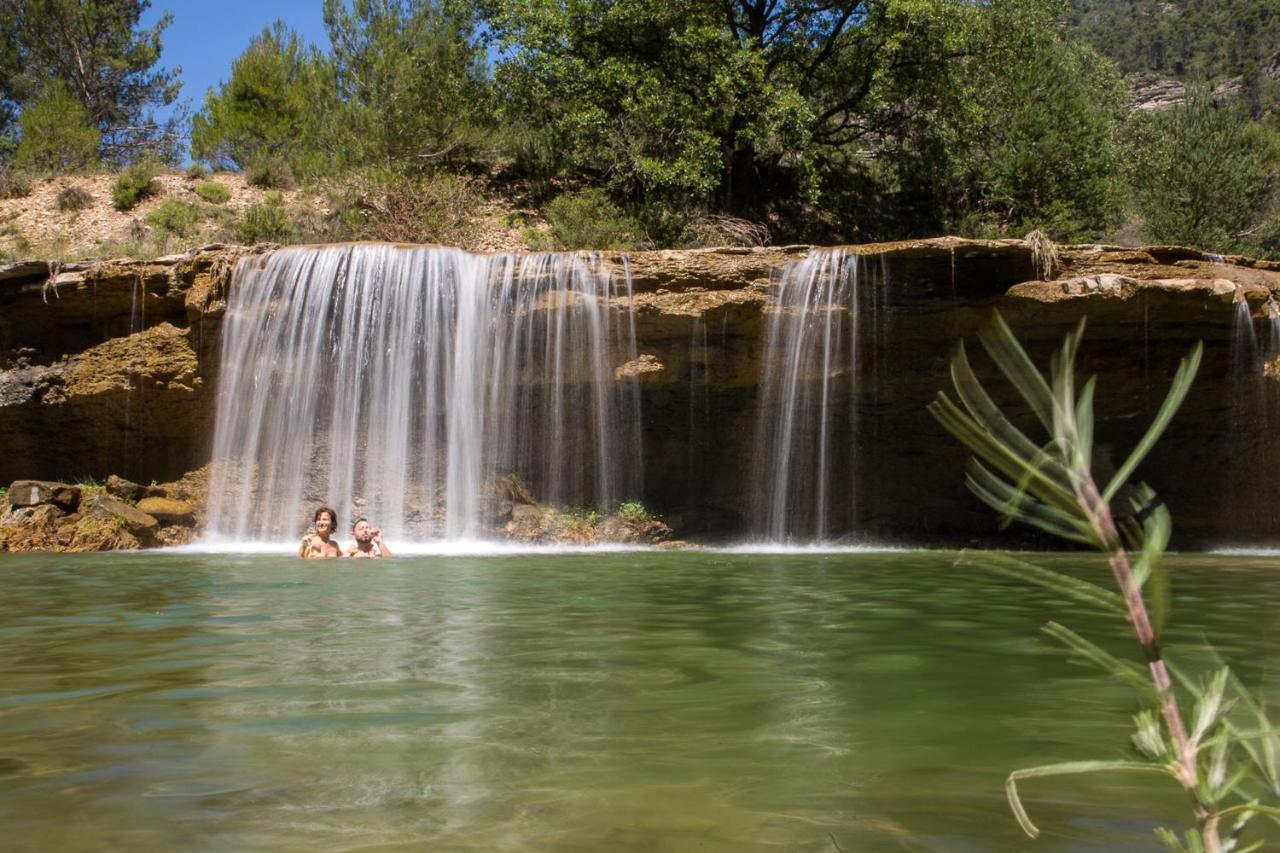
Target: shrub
column 434, row 209
column 74, row 198
column 195, row 172
column 269, row 172
column 57, row 135
column 213, row 192
column 634, row 511
column 133, row 184
column 14, row 183
column 586, row 220
column 265, row 221
column 175, row 217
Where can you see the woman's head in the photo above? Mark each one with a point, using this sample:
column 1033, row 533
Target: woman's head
column 325, row 519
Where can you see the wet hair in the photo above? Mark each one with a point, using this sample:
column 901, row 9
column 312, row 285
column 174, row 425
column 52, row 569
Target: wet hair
column 357, row 521
column 332, row 515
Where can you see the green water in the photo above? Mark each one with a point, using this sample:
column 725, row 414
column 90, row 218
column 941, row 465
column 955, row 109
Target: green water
column 633, row 702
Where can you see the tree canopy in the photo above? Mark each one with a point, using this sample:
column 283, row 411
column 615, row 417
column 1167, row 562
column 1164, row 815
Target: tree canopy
column 97, row 50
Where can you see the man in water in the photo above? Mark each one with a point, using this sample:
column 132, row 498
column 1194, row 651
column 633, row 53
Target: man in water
column 368, row 542
column 318, row 544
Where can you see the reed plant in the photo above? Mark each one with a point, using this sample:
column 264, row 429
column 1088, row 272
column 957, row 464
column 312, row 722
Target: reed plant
column 1225, row 754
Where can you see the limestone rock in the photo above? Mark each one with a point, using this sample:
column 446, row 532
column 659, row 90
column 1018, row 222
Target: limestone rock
column 632, row 531
column 167, row 510
column 35, row 492
column 130, row 518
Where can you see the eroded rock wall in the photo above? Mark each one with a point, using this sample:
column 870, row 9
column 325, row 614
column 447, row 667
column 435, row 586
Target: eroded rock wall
column 108, row 368
column 111, row 368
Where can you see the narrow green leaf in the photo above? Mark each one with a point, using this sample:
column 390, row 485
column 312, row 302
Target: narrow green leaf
column 1177, row 393
column 1128, row 671
column 983, row 408
column 1011, row 503
column 1004, row 349
column 1082, row 591
column 1070, row 768
column 1170, row 839
column 1250, row 808
column 998, row 456
column 1210, row 706
column 1084, row 426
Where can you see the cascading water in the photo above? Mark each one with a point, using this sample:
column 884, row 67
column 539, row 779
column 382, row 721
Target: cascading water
column 806, row 445
column 405, row 382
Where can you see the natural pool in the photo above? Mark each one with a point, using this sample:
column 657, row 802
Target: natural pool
column 575, row 702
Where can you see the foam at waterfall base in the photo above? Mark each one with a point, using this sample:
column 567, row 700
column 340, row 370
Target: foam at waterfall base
column 428, row 548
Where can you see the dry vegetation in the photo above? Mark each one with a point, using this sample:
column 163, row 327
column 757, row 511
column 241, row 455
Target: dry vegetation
column 43, row 225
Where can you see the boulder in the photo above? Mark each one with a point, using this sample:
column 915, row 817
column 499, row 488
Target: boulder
column 107, row 508
column 36, row 492
column 167, row 510
column 125, row 490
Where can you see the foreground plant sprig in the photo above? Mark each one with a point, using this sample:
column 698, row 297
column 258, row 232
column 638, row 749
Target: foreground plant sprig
column 1225, row 756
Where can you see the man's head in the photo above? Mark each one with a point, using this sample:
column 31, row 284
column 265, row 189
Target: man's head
column 325, row 520
column 362, row 530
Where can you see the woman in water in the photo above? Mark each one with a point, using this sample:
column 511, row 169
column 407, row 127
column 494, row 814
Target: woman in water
column 318, row 544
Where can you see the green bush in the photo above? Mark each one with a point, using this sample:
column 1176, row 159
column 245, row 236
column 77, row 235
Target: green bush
column 132, row 185
column 585, row 220
column 213, row 192
column 74, row 198
column 1203, row 172
column 634, row 511
column 176, row 217
column 14, row 183
column 269, row 172
column 195, row 172
column 57, row 135
column 264, row 222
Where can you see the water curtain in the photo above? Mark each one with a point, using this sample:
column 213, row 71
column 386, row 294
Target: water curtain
column 804, row 465
column 409, row 383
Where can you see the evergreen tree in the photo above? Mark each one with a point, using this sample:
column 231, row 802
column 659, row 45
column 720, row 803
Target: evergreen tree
column 270, row 107
column 410, row 82
column 56, row 134
column 107, row 64
column 1203, row 172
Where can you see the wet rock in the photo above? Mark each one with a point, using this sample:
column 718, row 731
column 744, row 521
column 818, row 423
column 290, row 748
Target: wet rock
column 128, row 517
column 167, row 511
column 35, row 492
column 632, row 531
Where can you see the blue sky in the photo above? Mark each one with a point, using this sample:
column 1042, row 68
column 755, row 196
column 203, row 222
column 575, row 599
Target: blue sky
column 205, row 37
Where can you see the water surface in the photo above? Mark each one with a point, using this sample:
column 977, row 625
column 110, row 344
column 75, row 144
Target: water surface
column 574, row 702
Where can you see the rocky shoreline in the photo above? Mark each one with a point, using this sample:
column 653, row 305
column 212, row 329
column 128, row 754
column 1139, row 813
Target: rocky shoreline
column 120, row 515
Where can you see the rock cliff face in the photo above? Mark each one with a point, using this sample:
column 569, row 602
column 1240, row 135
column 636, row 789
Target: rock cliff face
column 108, row 367
column 111, row 368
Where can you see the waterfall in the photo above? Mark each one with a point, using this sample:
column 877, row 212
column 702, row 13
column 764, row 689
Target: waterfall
column 401, row 383
column 806, row 446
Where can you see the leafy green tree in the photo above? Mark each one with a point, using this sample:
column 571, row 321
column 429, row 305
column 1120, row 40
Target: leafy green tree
column 271, row 105
column 1202, row 172
column 1035, row 97
column 410, row 83
column 107, row 63
column 1187, row 39
column 808, row 109
column 56, row 134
